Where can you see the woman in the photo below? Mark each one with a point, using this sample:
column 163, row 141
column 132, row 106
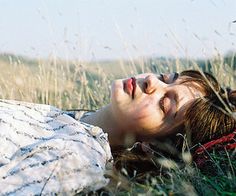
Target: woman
column 44, row 150
column 147, row 105
column 208, row 121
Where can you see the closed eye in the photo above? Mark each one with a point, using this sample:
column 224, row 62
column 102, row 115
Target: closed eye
column 165, row 104
column 161, row 103
column 169, row 103
column 163, row 78
column 176, row 75
column 166, row 78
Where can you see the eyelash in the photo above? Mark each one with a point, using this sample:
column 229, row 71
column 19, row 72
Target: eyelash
column 162, row 103
column 162, row 77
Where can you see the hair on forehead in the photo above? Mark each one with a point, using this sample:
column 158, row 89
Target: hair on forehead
column 210, row 116
column 207, row 119
column 202, row 81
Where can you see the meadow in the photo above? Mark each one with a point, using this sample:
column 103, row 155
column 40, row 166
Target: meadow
column 86, row 85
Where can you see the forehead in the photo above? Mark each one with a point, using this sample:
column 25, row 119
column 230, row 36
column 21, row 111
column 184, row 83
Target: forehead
column 189, row 86
column 186, row 93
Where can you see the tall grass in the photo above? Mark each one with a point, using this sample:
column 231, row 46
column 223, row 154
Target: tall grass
column 86, row 85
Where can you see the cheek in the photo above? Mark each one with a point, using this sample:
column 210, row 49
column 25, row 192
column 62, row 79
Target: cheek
column 145, row 109
column 139, row 109
column 116, row 91
column 147, row 118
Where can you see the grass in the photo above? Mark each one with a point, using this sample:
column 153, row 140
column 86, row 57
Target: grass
column 74, row 84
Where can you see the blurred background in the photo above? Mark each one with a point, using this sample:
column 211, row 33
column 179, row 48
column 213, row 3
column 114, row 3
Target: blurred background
column 94, row 30
column 67, row 53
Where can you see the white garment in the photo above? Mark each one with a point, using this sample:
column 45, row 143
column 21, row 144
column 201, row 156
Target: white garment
column 45, row 151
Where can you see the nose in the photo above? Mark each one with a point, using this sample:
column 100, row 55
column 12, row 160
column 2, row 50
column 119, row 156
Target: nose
column 152, row 84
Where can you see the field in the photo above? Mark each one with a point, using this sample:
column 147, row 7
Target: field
column 85, row 85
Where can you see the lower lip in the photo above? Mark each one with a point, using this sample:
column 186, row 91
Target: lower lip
column 130, row 86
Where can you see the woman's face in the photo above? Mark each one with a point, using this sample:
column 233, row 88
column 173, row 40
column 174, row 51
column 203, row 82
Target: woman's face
column 150, row 104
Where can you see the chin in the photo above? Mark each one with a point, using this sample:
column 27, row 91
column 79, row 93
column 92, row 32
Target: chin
column 118, row 96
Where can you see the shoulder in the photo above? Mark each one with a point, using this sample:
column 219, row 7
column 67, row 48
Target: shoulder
column 45, row 138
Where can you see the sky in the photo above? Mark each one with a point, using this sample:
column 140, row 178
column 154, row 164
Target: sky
column 117, row 29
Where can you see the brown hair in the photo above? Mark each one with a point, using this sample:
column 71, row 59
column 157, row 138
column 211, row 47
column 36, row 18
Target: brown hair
column 206, row 118
column 209, row 117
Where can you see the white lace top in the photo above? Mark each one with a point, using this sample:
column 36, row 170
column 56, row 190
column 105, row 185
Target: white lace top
column 45, row 151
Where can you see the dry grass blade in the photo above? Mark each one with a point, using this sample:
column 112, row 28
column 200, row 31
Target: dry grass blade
column 86, row 85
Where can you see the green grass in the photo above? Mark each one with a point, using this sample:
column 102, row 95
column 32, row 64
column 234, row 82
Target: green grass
column 71, row 85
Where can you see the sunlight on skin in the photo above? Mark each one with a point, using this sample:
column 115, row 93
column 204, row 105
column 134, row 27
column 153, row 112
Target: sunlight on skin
column 144, row 106
column 157, row 104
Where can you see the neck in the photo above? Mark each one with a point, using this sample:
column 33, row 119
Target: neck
column 104, row 119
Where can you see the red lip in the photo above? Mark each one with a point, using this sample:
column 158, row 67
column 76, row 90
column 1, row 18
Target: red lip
column 130, row 86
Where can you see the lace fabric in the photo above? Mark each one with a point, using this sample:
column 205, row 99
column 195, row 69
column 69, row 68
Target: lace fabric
column 46, row 151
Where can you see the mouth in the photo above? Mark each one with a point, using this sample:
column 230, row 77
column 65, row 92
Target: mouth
column 130, row 86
